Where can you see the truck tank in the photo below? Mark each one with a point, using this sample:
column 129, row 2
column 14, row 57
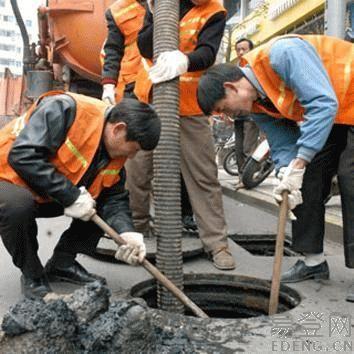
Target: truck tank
column 72, row 34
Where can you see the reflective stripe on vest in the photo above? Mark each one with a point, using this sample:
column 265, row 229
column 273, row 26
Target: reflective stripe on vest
column 76, row 152
column 129, row 17
column 75, row 155
column 110, row 172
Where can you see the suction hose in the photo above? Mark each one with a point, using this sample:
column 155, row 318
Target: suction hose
column 167, row 184
column 27, row 57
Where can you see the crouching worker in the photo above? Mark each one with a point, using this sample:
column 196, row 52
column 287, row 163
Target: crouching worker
column 307, row 79
column 66, row 155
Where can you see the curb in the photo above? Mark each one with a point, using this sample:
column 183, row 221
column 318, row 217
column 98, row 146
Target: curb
column 263, row 200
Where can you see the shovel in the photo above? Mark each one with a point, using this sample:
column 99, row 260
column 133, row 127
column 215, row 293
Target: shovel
column 278, row 257
column 152, row 270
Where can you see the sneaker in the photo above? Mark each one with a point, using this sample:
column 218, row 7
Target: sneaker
column 35, row 288
column 224, row 260
column 74, row 273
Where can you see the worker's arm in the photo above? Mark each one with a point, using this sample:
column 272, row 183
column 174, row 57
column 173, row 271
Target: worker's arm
column 114, row 51
column 145, row 36
column 207, row 47
column 208, row 44
column 38, row 142
column 113, row 206
column 282, row 135
column 299, row 66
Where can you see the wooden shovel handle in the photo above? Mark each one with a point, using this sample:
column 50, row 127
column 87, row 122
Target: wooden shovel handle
column 278, row 257
column 152, row 270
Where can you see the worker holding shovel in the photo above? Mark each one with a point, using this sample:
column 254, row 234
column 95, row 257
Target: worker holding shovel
column 308, row 80
column 66, row 155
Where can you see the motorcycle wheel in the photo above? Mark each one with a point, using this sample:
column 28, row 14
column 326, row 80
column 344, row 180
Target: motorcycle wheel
column 256, row 172
column 229, row 163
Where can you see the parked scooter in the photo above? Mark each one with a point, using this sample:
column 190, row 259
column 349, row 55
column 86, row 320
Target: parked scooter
column 229, row 162
column 224, row 138
column 258, row 166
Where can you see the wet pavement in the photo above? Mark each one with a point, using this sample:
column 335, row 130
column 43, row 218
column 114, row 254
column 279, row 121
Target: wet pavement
column 322, row 306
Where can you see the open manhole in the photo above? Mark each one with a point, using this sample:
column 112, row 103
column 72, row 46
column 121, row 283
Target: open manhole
column 225, row 296
column 262, row 245
column 106, row 248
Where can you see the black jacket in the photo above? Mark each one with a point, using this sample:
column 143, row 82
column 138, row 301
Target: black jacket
column 208, row 42
column 29, row 156
column 114, row 51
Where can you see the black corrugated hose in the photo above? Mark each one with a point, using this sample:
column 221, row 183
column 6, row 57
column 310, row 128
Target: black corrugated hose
column 167, row 194
column 27, row 62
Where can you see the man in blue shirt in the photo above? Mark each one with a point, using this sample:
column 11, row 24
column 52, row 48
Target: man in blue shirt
column 292, row 77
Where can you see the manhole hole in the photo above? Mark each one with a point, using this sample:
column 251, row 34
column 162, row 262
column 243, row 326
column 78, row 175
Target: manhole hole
column 262, row 245
column 106, row 248
column 225, row 296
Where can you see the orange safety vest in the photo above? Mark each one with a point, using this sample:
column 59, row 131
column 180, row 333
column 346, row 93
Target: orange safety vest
column 75, row 155
column 129, row 17
column 338, row 59
column 189, row 28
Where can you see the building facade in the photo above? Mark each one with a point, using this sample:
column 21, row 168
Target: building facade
column 11, row 48
column 260, row 20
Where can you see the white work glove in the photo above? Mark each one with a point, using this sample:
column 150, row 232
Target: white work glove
column 168, row 66
column 291, row 181
column 134, row 251
column 109, row 94
column 83, row 208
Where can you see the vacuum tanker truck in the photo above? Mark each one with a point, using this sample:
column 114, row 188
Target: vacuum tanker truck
column 71, row 35
column 67, row 56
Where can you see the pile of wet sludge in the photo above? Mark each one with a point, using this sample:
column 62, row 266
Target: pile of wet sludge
column 87, row 322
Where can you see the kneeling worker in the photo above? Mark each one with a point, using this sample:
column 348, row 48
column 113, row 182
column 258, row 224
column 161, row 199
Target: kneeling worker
column 66, row 155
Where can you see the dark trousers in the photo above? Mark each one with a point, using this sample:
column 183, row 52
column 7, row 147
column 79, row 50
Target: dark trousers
column 18, row 230
column 186, row 207
column 246, row 140
column 336, row 157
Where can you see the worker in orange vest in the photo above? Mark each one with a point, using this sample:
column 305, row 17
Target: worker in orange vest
column 120, row 55
column 66, row 156
column 201, row 25
column 121, row 62
column 300, row 90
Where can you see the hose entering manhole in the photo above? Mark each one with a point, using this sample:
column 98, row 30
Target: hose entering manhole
column 167, row 160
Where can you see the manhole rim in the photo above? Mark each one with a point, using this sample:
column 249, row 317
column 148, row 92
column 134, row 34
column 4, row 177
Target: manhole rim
column 289, row 296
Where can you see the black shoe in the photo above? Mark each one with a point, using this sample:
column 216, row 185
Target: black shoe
column 189, row 224
column 35, row 288
column 350, row 294
column 300, row 271
column 75, row 274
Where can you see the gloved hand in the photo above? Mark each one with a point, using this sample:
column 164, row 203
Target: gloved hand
column 109, row 94
column 168, row 66
column 290, row 180
column 83, row 208
column 134, row 251
column 150, row 4
column 280, row 173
